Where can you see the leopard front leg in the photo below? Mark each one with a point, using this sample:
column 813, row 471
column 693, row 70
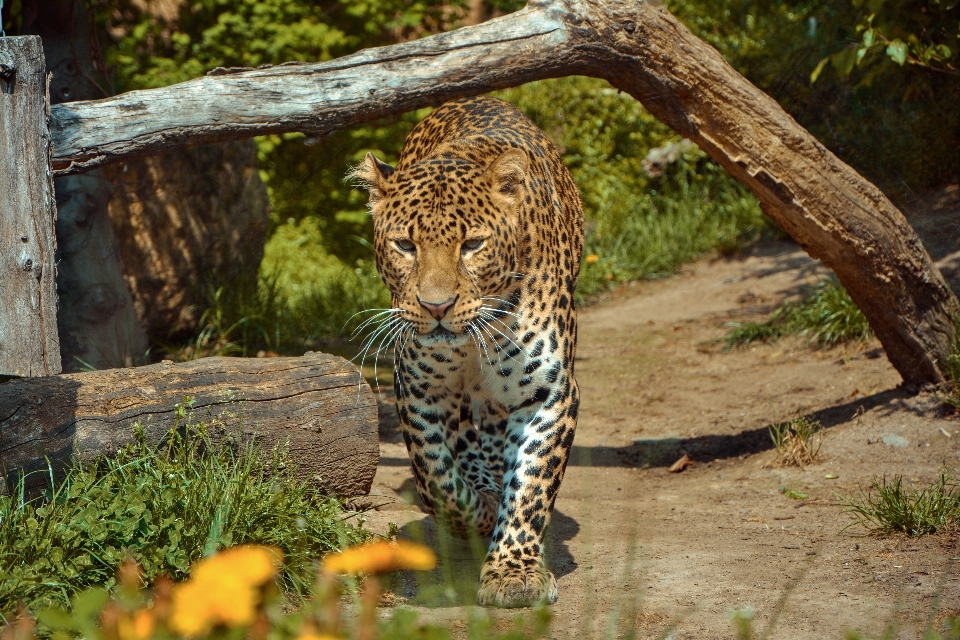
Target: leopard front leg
column 438, row 445
column 538, row 445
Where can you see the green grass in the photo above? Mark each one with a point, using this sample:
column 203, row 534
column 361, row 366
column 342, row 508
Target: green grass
column 165, row 506
column 951, row 372
column 827, row 316
column 887, row 507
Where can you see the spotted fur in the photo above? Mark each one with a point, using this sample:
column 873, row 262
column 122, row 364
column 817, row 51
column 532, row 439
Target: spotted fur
column 479, row 232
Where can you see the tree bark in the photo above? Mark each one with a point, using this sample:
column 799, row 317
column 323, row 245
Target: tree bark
column 98, row 324
column 317, row 406
column 187, row 222
column 834, row 213
column 28, row 314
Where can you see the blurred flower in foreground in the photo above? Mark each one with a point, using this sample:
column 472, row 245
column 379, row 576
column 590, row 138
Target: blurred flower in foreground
column 593, row 258
column 313, row 636
column 380, row 557
column 223, row 589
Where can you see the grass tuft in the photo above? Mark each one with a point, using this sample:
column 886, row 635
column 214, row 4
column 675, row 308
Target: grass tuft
column 164, row 506
column 889, row 508
column 827, row 316
column 797, row 441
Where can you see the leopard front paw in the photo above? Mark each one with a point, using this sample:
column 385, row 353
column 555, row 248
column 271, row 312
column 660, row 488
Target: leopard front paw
column 523, row 587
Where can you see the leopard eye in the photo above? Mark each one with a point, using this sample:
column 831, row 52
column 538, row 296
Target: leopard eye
column 471, row 245
column 405, row 246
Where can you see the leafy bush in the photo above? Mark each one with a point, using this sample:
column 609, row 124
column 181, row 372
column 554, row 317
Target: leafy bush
column 889, row 508
column 827, row 315
column 164, row 506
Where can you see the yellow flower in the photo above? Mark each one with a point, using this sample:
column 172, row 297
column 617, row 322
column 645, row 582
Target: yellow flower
column 379, row 557
column 322, row 636
column 139, row 626
column 592, row 258
column 223, row 589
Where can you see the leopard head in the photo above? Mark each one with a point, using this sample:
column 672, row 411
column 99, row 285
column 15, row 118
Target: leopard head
column 447, row 238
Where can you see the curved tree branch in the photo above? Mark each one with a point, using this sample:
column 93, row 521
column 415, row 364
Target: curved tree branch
column 834, row 213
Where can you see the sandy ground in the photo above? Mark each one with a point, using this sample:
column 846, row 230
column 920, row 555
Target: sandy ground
column 671, row 554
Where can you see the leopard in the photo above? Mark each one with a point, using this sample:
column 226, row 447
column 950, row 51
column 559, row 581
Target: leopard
column 478, row 235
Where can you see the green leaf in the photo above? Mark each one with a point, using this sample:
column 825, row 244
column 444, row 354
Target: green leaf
column 897, row 50
column 818, row 69
column 793, row 494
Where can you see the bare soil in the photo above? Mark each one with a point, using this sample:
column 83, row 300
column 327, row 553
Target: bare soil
column 671, row 554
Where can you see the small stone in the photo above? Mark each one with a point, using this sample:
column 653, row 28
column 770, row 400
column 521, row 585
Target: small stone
column 894, row 440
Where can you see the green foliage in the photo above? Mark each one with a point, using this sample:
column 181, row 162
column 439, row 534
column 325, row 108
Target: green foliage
column 164, row 506
column 951, row 371
column 893, row 123
column 150, row 52
column 827, row 316
column 923, row 34
column 637, row 225
column 889, row 508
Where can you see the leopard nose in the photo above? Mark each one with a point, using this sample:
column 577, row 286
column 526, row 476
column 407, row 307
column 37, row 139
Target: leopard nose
column 438, row 309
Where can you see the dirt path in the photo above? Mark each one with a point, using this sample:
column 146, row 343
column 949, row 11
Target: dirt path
column 632, row 542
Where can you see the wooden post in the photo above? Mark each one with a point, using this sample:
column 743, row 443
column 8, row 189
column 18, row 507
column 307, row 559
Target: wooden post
column 29, row 345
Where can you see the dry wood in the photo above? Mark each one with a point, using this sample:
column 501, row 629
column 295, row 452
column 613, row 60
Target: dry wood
column 833, row 212
column 318, row 406
column 96, row 320
column 28, row 312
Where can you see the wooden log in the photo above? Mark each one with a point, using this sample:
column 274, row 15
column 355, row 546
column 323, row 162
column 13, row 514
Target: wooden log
column 29, row 343
column 317, row 406
column 833, row 212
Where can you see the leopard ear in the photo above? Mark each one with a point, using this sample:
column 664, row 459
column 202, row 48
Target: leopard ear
column 372, row 174
column 507, row 173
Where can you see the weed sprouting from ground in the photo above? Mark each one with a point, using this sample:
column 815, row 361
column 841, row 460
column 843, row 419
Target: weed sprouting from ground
column 827, row 316
column 797, row 441
column 165, row 506
column 887, row 507
column 951, row 371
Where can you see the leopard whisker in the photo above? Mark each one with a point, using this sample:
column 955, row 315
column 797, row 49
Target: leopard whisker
column 486, row 322
column 398, row 360
column 501, row 300
column 384, row 326
column 483, row 342
column 506, row 313
column 492, row 329
column 499, row 349
column 473, row 337
column 373, row 319
column 377, row 313
column 389, row 339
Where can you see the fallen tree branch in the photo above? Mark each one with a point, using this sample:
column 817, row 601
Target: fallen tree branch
column 835, row 214
column 316, row 407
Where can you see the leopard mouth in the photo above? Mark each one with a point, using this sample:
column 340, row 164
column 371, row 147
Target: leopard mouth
column 441, row 333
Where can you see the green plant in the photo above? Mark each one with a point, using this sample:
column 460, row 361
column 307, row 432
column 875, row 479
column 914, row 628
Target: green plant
column 165, row 506
column 742, row 620
column 951, row 371
column 827, row 316
column 889, row 508
column 797, row 441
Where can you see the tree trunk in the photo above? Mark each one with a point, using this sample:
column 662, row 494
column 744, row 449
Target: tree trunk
column 834, row 213
column 28, row 314
column 317, row 406
column 98, row 324
column 188, row 221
